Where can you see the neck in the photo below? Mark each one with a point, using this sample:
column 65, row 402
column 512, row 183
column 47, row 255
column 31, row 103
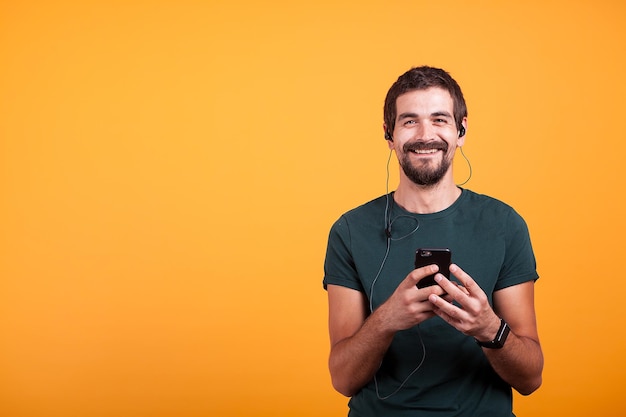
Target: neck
column 426, row 199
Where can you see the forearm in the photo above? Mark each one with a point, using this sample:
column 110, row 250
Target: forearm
column 360, row 340
column 520, row 360
column 355, row 360
column 519, row 363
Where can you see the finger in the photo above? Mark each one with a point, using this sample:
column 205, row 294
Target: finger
column 446, row 310
column 417, row 274
column 471, row 287
column 450, row 287
column 433, row 289
column 447, row 297
column 462, row 288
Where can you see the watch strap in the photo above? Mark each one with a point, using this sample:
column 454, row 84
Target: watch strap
column 500, row 338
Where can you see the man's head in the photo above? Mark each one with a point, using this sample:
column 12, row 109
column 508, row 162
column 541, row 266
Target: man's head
column 422, row 78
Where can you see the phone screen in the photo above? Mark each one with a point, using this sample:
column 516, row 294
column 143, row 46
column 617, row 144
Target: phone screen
column 440, row 256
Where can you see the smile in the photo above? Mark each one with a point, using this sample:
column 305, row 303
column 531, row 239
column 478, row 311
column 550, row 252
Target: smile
column 424, row 151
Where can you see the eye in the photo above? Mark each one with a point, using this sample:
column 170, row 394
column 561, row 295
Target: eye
column 410, row 122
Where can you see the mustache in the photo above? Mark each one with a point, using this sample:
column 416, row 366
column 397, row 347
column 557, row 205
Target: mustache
column 423, row 146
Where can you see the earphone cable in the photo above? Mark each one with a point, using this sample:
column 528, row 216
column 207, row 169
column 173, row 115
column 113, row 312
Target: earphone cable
column 388, row 223
column 469, row 164
column 408, row 376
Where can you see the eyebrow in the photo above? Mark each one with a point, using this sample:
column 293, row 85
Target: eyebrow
column 407, row 116
column 414, row 115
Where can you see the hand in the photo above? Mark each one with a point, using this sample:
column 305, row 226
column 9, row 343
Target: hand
column 409, row 305
column 474, row 317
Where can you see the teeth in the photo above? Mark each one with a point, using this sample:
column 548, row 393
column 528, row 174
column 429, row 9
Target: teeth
column 425, row 151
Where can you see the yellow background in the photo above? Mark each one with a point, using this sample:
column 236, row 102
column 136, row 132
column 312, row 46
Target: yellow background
column 169, row 171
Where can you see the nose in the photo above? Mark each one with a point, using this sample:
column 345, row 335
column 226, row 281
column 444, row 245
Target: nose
column 425, row 132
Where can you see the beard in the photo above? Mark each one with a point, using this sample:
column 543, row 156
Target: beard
column 426, row 174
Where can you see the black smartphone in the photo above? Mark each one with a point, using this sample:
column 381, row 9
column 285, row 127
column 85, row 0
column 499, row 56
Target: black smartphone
column 440, row 256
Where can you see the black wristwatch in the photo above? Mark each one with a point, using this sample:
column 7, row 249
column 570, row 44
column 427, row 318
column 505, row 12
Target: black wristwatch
column 501, row 336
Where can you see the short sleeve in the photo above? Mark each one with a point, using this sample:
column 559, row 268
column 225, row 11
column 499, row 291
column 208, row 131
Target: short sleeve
column 519, row 263
column 339, row 266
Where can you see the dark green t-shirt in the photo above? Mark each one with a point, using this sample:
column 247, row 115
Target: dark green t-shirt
column 489, row 241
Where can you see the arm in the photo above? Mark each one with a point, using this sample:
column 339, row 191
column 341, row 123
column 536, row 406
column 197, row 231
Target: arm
column 358, row 343
column 520, row 361
column 358, row 340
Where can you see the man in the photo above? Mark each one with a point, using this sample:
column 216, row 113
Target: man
column 451, row 349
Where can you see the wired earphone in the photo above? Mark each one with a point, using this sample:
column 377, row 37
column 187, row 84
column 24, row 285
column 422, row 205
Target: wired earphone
column 389, row 220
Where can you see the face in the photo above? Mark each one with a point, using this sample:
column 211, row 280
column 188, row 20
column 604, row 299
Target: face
column 425, row 136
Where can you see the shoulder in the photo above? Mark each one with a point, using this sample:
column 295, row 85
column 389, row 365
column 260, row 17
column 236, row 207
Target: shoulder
column 488, row 205
column 365, row 213
column 363, row 223
column 474, row 198
column 372, row 206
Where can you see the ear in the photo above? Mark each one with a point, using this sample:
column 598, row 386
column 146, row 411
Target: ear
column 387, row 135
column 461, row 140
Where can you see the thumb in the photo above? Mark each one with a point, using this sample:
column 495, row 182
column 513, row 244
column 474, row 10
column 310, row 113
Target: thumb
column 417, row 274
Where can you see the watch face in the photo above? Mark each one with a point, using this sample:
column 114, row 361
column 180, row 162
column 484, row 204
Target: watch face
column 501, row 336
